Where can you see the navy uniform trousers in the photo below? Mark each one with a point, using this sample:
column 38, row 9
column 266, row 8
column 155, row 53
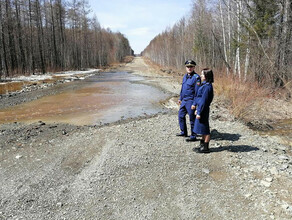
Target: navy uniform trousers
column 185, row 108
column 190, row 86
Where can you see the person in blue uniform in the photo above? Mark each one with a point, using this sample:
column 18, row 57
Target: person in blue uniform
column 202, row 105
column 190, row 85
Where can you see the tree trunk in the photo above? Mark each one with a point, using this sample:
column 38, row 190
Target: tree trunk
column 32, row 57
column 286, row 36
column 237, row 56
column 11, row 42
column 5, row 59
column 229, row 31
column 62, row 35
column 223, row 35
column 19, row 32
column 282, row 46
column 40, row 34
column 247, row 56
column 56, row 56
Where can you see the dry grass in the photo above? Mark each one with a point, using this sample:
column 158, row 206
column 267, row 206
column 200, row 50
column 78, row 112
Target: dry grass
column 240, row 98
column 248, row 101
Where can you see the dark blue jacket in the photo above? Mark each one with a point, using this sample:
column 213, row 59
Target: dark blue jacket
column 204, row 98
column 190, row 86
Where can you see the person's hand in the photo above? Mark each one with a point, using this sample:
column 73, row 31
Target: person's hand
column 193, row 107
column 198, row 117
column 179, row 102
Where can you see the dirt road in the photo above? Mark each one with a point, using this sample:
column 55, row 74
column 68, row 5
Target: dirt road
column 139, row 169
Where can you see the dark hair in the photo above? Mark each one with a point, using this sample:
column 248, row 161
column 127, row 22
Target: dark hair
column 208, row 75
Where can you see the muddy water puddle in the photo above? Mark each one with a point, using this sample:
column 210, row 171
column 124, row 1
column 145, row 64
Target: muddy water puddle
column 103, row 98
column 281, row 128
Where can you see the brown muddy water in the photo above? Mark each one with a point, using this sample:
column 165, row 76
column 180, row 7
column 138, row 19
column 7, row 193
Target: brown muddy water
column 103, row 98
column 281, row 128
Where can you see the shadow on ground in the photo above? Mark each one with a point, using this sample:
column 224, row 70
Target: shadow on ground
column 235, row 148
column 215, row 135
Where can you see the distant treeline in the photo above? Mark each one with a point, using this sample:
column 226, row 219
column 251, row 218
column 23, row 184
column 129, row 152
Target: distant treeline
column 50, row 35
column 250, row 39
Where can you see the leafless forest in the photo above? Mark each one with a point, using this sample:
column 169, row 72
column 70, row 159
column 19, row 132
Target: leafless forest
column 50, row 35
column 250, row 39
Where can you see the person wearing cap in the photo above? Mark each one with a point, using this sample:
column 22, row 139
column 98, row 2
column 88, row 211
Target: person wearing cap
column 190, row 85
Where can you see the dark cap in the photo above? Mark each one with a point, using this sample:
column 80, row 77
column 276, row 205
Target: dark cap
column 190, row 63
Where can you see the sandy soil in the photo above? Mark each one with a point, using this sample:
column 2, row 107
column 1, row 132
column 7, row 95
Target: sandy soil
column 139, row 169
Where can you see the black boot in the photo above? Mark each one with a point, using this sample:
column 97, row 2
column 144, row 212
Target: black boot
column 181, row 135
column 204, row 148
column 196, row 149
column 191, row 139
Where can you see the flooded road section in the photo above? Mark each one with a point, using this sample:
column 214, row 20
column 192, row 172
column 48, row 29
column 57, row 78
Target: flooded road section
column 103, row 98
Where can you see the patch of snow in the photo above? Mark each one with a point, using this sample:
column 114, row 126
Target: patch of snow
column 48, row 76
column 69, row 73
column 32, row 78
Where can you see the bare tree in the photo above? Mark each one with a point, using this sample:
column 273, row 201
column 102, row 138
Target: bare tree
column 250, row 37
column 41, row 35
column 19, row 37
column 3, row 52
column 223, row 35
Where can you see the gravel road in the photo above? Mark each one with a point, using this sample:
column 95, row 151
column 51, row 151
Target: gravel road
column 139, row 169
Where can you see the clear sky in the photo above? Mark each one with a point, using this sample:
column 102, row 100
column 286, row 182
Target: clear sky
column 139, row 20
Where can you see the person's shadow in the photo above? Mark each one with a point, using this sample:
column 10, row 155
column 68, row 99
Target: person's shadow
column 215, row 135
column 234, row 148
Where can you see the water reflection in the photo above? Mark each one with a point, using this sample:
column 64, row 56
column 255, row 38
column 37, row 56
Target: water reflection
column 104, row 98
